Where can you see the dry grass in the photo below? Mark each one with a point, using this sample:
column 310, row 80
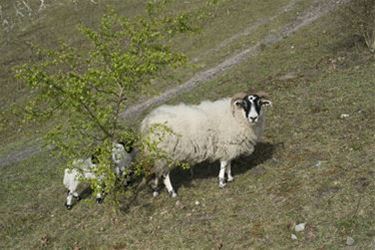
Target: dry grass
column 315, row 166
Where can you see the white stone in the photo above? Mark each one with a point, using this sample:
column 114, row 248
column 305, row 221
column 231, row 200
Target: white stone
column 300, row 227
column 294, row 237
column 349, row 241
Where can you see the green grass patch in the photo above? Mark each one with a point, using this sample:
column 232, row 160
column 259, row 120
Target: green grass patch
column 316, row 166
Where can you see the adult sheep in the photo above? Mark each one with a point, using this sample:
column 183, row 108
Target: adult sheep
column 122, row 157
column 220, row 130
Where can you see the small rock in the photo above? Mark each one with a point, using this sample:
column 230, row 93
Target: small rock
column 343, row 116
column 197, row 203
column 294, row 237
column 300, row 227
column 349, row 241
column 318, row 164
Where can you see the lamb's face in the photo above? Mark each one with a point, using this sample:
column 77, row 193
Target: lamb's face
column 120, row 151
column 117, row 152
column 252, row 107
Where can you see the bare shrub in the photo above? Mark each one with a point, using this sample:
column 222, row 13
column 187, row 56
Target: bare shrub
column 358, row 17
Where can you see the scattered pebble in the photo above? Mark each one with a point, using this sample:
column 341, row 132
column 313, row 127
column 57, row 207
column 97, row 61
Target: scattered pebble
column 349, row 241
column 294, row 237
column 300, row 227
column 343, row 116
column 197, row 203
column 318, row 164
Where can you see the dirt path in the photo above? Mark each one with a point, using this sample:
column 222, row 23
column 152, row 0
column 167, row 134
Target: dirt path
column 318, row 9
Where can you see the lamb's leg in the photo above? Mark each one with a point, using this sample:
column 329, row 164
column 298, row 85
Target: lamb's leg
column 76, row 195
column 223, row 165
column 168, row 185
column 100, row 194
column 99, row 198
column 69, row 200
column 229, row 172
column 155, row 186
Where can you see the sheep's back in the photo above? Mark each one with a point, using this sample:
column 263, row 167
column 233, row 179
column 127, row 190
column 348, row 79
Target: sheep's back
column 207, row 131
column 190, row 139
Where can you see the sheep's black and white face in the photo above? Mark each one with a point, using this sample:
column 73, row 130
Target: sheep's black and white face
column 252, row 106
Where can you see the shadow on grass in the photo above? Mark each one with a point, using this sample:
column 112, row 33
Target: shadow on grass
column 181, row 177
column 262, row 153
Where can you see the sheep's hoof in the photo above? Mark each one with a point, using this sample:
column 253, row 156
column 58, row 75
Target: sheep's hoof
column 230, row 179
column 68, row 206
column 99, row 200
column 222, row 183
column 173, row 194
column 155, row 193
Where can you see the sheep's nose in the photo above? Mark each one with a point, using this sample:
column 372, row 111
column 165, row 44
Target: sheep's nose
column 253, row 118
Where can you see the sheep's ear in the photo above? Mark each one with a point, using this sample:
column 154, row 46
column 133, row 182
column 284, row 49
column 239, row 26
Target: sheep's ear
column 265, row 102
column 240, row 103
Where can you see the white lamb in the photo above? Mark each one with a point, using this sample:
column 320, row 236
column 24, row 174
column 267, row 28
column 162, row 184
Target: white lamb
column 220, row 130
column 83, row 169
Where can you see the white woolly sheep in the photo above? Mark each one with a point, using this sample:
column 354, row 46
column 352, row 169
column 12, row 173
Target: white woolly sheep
column 82, row 169
column 220, row 130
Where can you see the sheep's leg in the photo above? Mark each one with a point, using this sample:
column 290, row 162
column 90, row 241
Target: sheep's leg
column 223, row 165
column 191, row 172
column 99, row 198
column 69, row 200
column 155, row 186
column 229, row 172
column 100, row 195
column 168, row 185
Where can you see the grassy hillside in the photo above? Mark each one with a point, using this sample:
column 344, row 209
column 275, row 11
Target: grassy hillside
column 315, row 165
column 58, row 22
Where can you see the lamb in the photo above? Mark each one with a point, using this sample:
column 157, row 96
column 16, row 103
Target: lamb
column 82, row 168
column 221, row 130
